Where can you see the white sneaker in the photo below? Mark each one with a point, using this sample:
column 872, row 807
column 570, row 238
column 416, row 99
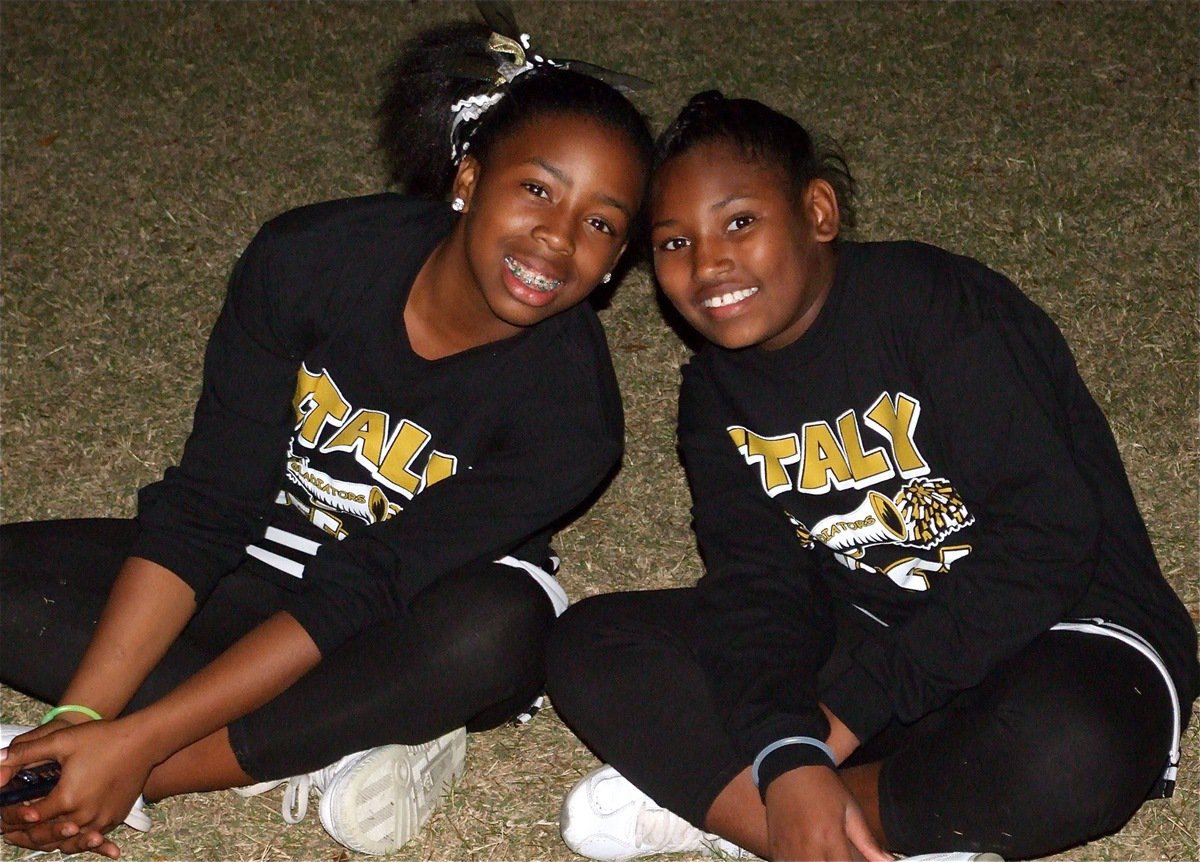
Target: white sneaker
column 605, row 817
column 136, row 819
column 375, row 801
column 953, row 857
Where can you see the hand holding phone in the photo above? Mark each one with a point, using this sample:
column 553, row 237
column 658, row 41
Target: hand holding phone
column 32, row 782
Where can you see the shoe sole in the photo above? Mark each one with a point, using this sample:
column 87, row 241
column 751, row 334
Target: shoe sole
column 377, row 806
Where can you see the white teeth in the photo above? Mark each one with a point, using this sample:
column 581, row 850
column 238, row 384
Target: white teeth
column 730, row 298
column 530, row 278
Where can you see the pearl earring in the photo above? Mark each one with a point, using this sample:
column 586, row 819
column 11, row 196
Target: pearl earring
column 458, row 205
column 607, row 278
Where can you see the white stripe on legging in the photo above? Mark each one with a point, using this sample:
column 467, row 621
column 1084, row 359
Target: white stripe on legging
column 1102, row 627
column 545, row 580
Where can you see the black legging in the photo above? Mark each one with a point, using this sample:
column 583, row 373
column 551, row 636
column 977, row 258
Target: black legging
column 470, row 650
column 1058, row 746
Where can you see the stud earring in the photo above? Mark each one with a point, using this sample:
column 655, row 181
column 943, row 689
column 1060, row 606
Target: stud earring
column 607, row 278
column 458, row 205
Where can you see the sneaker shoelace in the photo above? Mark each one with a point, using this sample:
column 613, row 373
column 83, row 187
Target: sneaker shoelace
column 298, row 787
column 295, row 798
column 665, row 831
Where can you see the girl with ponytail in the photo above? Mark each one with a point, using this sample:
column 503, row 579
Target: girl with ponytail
column 350, row 566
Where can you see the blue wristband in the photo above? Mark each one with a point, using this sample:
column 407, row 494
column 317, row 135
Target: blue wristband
column 790, row 740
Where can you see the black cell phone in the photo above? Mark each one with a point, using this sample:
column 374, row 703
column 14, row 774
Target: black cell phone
column 32, row 782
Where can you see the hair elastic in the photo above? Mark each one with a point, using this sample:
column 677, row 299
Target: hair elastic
column 69, row 707
column 790, row 740
column 512, row 61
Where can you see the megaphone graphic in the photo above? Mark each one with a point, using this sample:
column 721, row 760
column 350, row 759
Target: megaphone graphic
column 876, row 520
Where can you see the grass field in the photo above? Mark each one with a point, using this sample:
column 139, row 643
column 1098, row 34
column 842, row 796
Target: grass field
column 143, row 143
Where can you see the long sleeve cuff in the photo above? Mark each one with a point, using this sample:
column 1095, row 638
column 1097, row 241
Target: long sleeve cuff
column 192, row 565
column 773, row 762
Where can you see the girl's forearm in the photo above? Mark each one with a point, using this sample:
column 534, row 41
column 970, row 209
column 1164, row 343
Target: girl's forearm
column 841, row 738
column 145, row 612
column 251, row 672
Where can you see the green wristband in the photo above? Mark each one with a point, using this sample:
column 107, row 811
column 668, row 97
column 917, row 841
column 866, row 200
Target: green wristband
column 69, row 707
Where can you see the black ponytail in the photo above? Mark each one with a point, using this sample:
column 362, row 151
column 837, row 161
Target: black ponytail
column 414, row 114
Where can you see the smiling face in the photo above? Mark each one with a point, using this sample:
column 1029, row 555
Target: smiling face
column 743, row 260
column 545, row 218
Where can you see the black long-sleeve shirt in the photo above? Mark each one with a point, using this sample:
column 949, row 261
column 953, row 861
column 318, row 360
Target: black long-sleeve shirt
column 327, row 454
column 928, row 452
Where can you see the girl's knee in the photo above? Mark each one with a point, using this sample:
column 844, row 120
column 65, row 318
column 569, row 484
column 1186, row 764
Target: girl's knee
column 1096, row 766
column 571, row 650
column 1032, row 774
column 600, row 648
